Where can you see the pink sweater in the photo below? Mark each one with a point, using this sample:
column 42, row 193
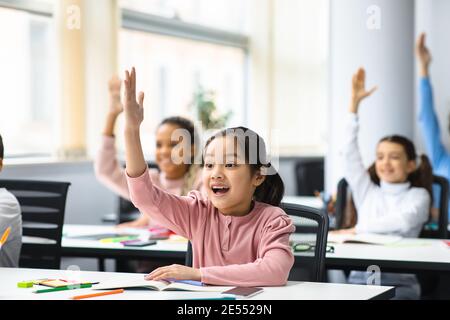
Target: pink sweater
column 238, row 251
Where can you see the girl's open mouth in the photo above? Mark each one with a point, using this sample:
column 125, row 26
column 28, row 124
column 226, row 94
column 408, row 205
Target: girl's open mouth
column 220, row 190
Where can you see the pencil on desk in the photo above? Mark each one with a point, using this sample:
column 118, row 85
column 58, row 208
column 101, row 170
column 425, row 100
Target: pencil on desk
column 99, row 294
column 5, row 236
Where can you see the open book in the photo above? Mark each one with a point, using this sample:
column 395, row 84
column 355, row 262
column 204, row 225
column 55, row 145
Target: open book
column 157, row 285
column 367, row 238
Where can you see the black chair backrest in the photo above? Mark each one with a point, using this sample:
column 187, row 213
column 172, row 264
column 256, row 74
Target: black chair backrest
column 126, row 210
column 43, row 206
column 440, row 233
column 309, row 176
column 341, row 202
column 312, row 228
column 189, row 255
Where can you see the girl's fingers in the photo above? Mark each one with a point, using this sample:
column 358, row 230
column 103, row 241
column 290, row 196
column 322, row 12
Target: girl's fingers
column 141, row 99
column 158, row 271
column 133, row 82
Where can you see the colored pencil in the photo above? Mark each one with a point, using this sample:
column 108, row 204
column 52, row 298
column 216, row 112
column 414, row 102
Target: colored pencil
column 99, row 294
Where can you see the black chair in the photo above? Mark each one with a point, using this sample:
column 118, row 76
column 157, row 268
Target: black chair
column 309, row 246
column 428, row 231
column 309, row 174
column 43, row 206
column 189, row 255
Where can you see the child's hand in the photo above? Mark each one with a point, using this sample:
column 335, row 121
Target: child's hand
column 116, row 106
column 359, row 91
column 134, row 110
column 423, row 54
column 175, row 271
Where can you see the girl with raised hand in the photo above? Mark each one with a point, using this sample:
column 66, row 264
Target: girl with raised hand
column 393, row 196
column 428, row 120
column 239, row 235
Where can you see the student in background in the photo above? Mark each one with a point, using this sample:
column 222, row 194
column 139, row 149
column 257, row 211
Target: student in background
column 10, row 216
column 178, row 179
column 393, row 196
column 239, row 235
column 440, row 157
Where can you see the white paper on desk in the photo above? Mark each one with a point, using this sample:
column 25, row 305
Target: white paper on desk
column 366, row 238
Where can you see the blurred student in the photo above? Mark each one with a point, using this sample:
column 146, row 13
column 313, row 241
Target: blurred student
column 428, row 121
column 392, row 197
column 10, row 216
column 177, row 179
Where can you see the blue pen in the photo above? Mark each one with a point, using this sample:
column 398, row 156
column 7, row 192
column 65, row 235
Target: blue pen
column 191, row 282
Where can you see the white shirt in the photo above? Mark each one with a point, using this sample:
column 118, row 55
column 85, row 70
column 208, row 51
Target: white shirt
column 10, row 216
column 386, row 209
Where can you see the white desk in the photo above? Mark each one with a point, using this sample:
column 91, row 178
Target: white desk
column 412, row 255
column 293, row 291
column 175, row 251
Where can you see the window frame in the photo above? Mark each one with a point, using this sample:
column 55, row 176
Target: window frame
column 42, row 9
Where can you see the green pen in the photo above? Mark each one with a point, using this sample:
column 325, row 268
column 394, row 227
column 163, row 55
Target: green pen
column 216, row 298
column 70, row 287
column 119, row 239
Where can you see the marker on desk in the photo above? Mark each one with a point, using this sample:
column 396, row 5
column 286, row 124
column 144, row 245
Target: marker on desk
column 70, row 287
column 230, row 297
column 119, row 239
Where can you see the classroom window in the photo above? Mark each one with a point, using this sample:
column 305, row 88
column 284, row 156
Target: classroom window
column 222, row 14
column 173, row 66
column 28, row 105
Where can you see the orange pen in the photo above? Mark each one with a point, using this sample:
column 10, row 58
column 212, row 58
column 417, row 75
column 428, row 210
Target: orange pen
column 92, row 295
column 5, row 236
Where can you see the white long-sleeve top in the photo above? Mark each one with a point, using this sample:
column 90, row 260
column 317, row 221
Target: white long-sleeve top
column 386, row 209
column 10, row 216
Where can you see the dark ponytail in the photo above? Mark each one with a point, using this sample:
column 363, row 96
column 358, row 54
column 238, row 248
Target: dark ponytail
column 422, row 177
column 271, row 191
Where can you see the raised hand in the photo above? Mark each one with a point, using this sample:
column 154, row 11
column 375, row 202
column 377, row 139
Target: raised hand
column 359, row 91
column 134, row 110
column 116, row 106
column 134, row 115
column 424, row 55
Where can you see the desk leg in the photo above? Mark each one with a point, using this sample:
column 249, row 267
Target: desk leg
column 101, row 264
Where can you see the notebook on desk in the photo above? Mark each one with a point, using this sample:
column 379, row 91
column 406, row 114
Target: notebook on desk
column 364, row 238
column 157, row 285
